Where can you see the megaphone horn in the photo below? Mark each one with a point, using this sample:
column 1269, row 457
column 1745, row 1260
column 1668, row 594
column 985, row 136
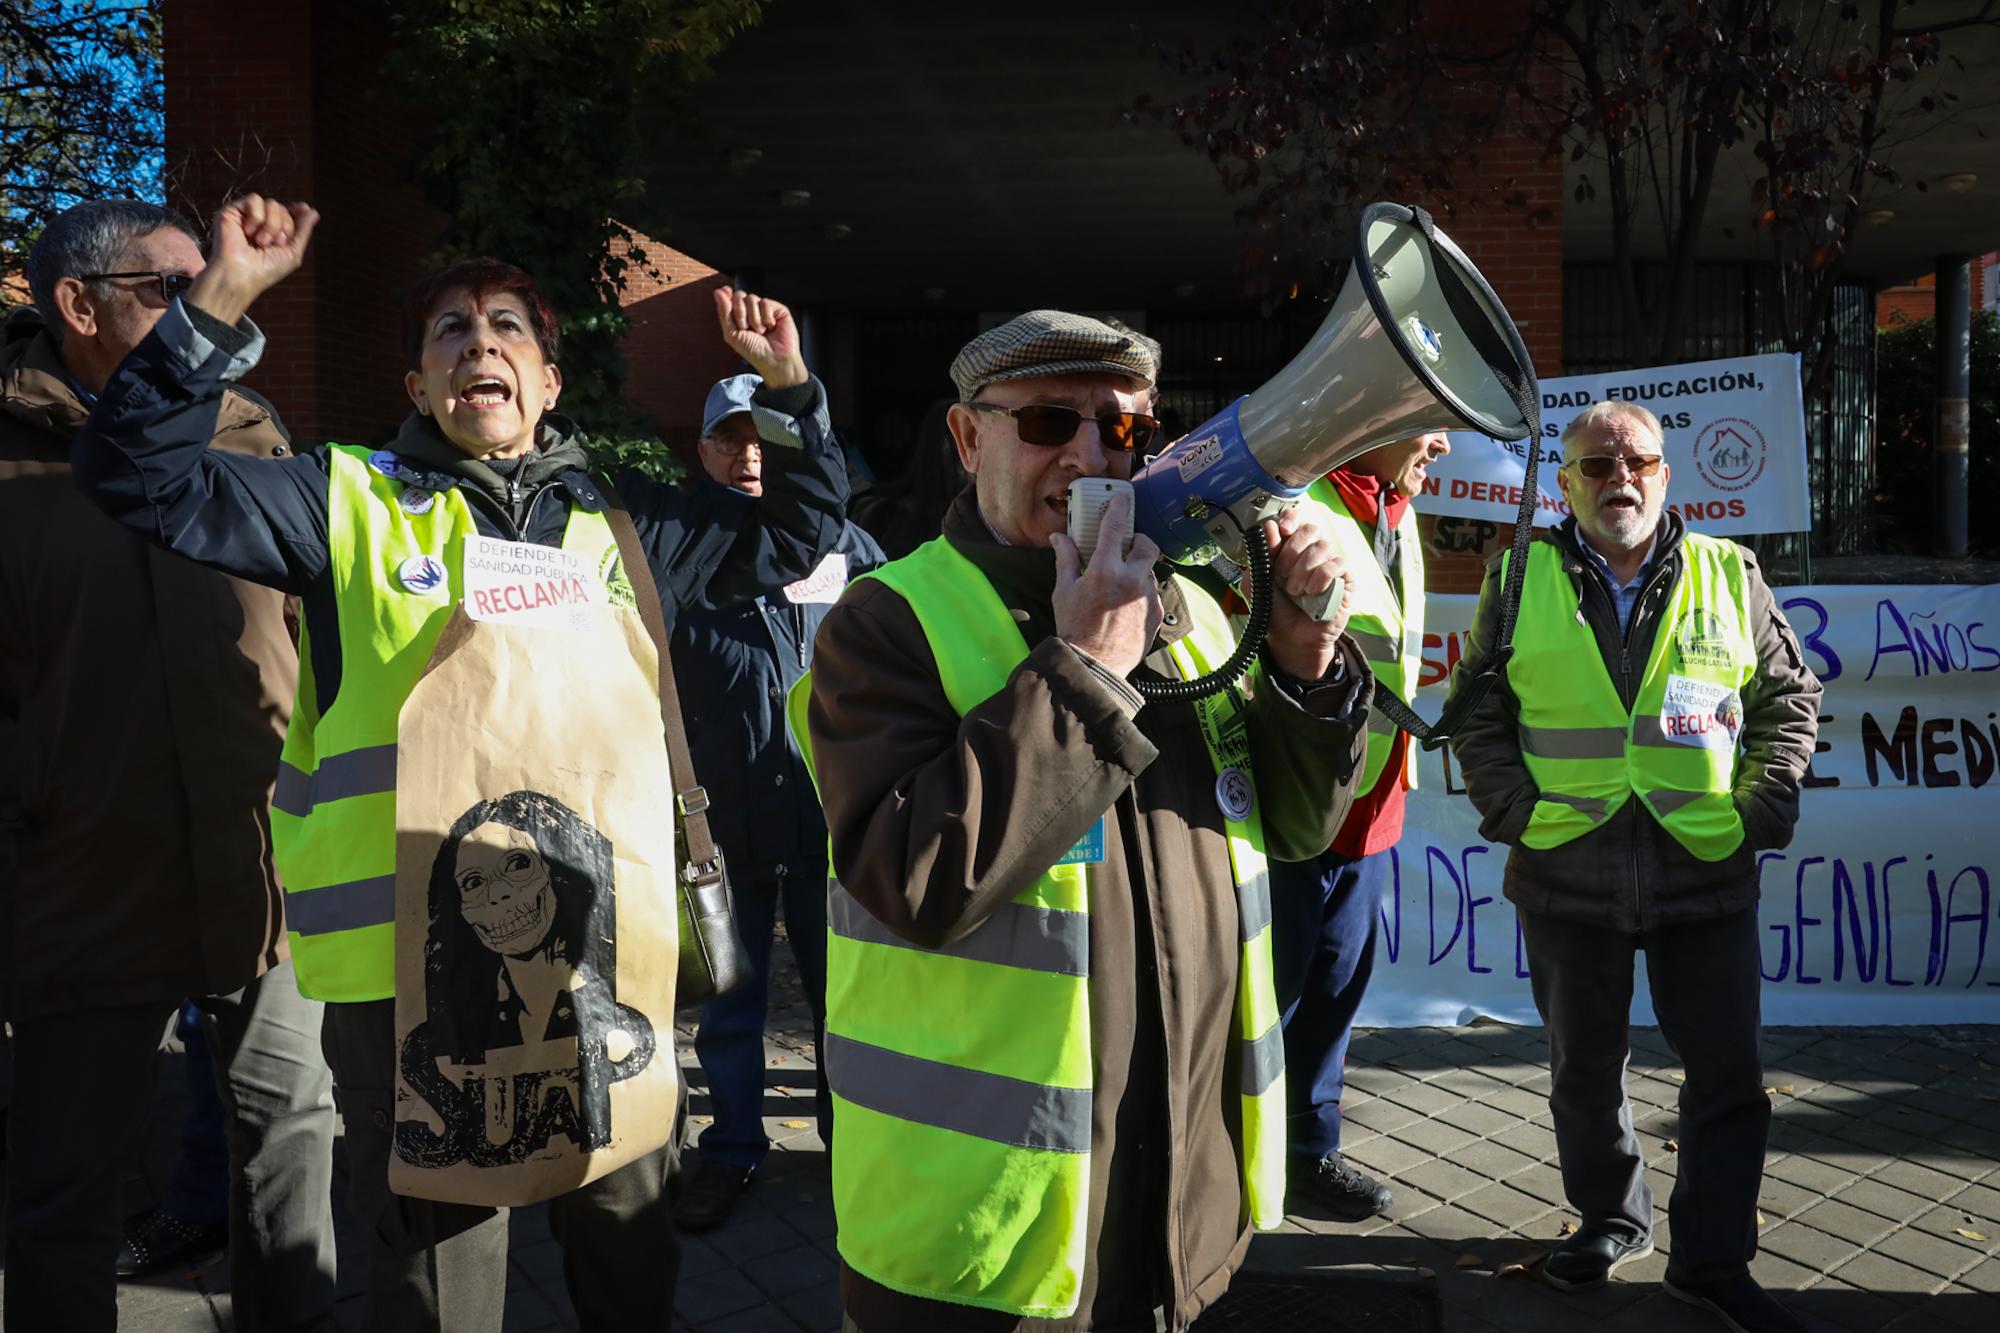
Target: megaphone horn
column 1416, row 342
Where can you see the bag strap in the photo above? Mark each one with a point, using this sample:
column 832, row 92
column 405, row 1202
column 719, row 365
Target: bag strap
column 690, row 798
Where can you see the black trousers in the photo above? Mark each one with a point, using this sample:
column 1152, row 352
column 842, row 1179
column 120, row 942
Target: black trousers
column 1705, row 994
column 442, row 1267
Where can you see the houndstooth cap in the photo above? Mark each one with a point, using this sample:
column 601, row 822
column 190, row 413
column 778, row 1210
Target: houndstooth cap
column 1049, row 342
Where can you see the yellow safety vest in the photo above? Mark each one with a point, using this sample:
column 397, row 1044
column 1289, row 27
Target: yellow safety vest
column 396, row 565
column 1390, row 632
column 962, row 1076
column 1678, row 745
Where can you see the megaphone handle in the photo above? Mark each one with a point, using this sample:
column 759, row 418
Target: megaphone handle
column 1321, row 606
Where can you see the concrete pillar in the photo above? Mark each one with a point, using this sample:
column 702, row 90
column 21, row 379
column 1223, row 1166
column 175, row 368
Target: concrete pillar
column 1952, row 456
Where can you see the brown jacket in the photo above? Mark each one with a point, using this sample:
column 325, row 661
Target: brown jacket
column 1630, row 874
column 143, row 701
column 935, row 821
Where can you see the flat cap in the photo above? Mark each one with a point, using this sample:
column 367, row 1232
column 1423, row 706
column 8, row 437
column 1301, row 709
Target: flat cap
column 1050, row 342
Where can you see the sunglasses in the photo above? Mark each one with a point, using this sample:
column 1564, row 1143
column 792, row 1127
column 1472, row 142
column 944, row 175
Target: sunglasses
column 1052, row 426
column 1601, row 467
column 170, row 284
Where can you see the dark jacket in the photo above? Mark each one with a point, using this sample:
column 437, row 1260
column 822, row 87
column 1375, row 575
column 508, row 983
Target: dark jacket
column 734, row 665
column 936, row 821
column 1630, row 874
column 143, row 701
column 140, row 459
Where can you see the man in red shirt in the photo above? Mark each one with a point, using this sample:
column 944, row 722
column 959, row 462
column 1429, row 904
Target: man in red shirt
column 1325, row 910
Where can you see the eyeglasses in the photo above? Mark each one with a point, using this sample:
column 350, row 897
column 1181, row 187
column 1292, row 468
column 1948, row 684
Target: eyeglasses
column 1601, row 467
column 1052, row 427
column 730, row 447
column 170, row 284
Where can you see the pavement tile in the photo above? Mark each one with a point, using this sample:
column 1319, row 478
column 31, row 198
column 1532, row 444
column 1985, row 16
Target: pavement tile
column 1434, row 1136
column 1441, row 1180
column 1447, row 1226
column 1780, row 1198
column 1981, row 1201
column 1776, row 1273
column 751, row 1234
column 1517, row 1102
column 1848, row 1223
column 1850, row 1307
column 1533, row 1140
column 1885, row 1200
column 1809, row 1173
column 528, row 1311
column 1424, row 1098
column 1984, row 1276
column 1507, row 1206
column 1962, row 1307
column 1814, row 1249
column 1480, row 1119
column 1933, row 1254
column 1493, row 1160
column 760, row 1319
column 1948, row 1223
column 713, row 1295
column 793, row 1270
column 1382, row 1115
column 1919, row 1179
column 1544, row 1182
column 1876, row 1272
column 1388, row 1157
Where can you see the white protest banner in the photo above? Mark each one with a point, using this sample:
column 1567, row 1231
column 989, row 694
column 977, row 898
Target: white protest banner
column 1736, row 443
column 1882, row 908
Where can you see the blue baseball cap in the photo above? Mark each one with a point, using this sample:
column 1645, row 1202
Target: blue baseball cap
column 727, row 398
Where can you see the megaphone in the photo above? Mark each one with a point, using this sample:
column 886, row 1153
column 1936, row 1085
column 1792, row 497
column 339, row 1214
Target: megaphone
column 1416, row 342
column 1396, row 357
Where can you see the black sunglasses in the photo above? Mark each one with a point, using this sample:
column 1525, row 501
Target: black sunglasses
column 1052, row 426
column 1600, row 467
column 171, row 284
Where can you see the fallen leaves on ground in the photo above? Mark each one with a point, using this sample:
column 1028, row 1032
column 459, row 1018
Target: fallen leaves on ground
column 1674, row 1145
column 1469, row 1260
column 793, row 1124
column 1970, row 1234
column 1678, row 1077
column 1525, row 1265
column 1568, row 1228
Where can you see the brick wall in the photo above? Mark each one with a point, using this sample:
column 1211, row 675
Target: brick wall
column 280, row 100
column 1523, row 263
column 673, row 350
column 1918, row 300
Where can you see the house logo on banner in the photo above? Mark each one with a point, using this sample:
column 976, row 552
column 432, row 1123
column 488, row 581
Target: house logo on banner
column 1730, row 454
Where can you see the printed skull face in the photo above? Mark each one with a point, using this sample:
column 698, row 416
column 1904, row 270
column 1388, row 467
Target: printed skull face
column 504, row 891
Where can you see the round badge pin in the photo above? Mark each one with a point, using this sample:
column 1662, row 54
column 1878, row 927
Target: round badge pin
column 1233, row 793
column 385, row 463
column 416, row 500
column 422, row 574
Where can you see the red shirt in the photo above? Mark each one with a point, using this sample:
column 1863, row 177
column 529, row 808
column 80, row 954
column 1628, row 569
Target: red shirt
column 1375, row 821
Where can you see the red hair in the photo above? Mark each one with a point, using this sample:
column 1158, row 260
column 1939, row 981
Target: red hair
column 485, row 278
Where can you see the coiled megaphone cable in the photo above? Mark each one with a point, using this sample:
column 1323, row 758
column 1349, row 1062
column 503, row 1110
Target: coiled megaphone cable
column 1247, row 643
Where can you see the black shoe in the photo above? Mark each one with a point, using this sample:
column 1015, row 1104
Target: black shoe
column 1738, row 1302
column 711, row 1192
column 1345, row 1192
column 160, row 1241
column 1586, row 1259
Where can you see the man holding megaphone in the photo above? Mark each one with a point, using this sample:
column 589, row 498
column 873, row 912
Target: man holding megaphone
column 1052, row 1036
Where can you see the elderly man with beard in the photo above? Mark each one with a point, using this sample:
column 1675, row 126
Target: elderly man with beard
column 1645, row 745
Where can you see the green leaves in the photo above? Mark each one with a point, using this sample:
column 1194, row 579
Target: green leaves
column 81, row 111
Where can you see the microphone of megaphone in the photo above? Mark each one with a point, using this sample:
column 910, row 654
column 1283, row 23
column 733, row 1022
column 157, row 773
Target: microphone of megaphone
column 1416, row 342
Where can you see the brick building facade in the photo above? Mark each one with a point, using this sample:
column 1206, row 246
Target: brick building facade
column 290, row 105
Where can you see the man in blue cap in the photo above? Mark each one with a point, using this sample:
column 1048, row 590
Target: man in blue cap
column 734, row 666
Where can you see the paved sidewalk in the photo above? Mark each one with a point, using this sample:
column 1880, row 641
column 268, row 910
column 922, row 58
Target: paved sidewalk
column 1880, row 1206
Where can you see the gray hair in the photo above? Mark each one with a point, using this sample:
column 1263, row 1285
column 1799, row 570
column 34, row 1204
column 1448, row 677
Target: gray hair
column 91, row 238
column 1601, row 414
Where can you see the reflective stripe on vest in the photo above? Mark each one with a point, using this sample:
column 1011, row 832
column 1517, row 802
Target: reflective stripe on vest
column 333, row 814
column 1677, row 747
column 962, row 1075
column 1389, row 633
